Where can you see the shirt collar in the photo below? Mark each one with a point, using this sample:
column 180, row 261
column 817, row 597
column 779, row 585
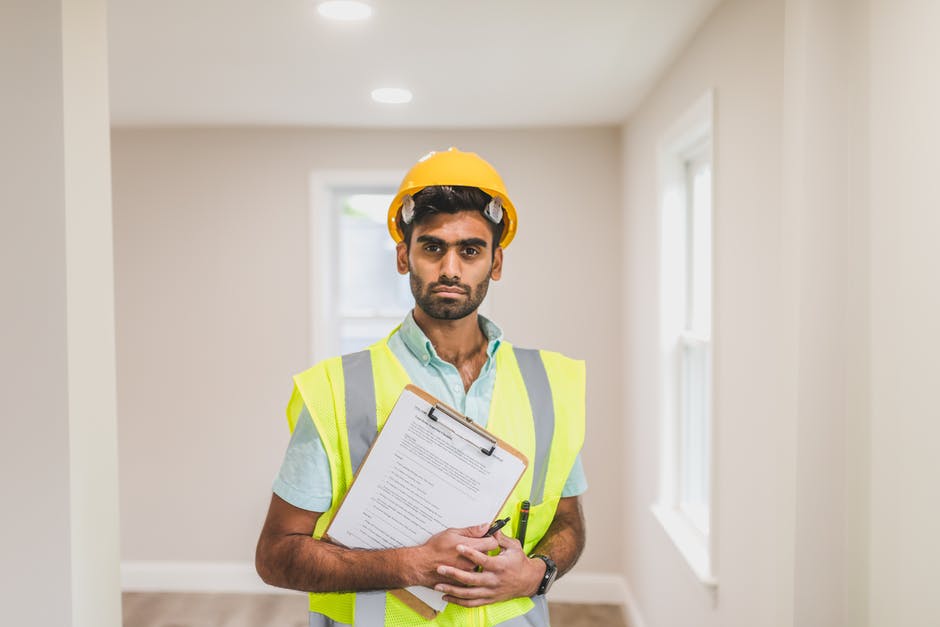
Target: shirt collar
column 420, row 346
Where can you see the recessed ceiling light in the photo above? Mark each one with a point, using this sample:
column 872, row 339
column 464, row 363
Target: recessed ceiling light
column 391, row 95
column 345, row 10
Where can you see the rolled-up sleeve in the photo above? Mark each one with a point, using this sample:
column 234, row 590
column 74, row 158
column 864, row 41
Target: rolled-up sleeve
column 304, row 479
column 577, row 481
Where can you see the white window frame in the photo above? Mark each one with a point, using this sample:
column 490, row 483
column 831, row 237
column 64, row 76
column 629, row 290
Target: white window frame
column 690, row 138
column 324, row 184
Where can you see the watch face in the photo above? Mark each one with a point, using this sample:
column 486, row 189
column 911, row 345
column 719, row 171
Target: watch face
column 551, row 571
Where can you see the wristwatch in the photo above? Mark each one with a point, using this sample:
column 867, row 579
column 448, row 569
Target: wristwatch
column 550, row 572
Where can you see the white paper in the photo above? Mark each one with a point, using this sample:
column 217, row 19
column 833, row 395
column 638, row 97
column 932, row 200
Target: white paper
column 421, row 477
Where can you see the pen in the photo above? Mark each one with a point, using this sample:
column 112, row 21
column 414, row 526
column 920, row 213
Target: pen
column 496, row 526
column 499, row 524
column 523, row 521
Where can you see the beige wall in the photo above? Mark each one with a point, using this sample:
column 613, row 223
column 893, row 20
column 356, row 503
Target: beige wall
column 826, row 306
column 212, row 285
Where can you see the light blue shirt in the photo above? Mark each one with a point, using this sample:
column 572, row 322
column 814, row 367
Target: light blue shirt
column 304, row 478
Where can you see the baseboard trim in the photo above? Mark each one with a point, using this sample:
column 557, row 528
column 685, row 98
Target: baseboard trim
column 631, row 609
column 240, row 577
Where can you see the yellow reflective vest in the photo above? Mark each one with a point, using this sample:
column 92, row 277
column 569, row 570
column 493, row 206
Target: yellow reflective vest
column 537, row 406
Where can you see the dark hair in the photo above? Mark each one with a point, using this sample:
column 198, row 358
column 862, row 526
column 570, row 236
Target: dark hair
column 449, row 199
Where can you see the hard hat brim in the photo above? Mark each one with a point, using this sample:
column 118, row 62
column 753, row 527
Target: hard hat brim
column 509, row 214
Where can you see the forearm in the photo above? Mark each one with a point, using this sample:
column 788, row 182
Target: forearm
column 289, row 557
column 564, row 540
column 300, row 562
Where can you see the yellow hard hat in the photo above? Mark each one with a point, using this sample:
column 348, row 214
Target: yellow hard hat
column 453, row 167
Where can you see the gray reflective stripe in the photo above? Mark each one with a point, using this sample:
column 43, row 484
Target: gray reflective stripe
column 370, row 608
column 543, row 413
column 319, row 620
column 368, row 611
column 360, row 404
column 359, row 386
column 536, row 617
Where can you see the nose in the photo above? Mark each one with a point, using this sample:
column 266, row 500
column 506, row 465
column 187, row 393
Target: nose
column 450, row 264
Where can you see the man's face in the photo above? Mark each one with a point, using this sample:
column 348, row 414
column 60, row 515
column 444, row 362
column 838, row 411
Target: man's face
column 451, row 262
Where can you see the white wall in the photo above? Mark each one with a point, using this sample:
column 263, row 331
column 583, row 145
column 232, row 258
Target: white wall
column 93, row 441
column 739, row 53
column 826, row 234
column 905, row 313
column 35, row 377
column 212, row 310
column 825, row 361
column 58, row 479
column 826, row 286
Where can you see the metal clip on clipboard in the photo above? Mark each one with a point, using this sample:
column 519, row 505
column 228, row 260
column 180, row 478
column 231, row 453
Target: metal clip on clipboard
column 468, row 423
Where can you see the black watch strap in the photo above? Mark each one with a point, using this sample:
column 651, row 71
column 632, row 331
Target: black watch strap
column 551, row 570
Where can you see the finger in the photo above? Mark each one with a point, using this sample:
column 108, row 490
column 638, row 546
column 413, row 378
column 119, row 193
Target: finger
column 464, row 590
column 484, row 545
column 466, row 578
column 505, row 542
column 464, row 603
column 467, row 597
column 477, row 557
column 474, row 531
column 463, row 563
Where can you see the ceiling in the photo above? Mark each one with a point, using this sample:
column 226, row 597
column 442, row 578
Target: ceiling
column 475, row 63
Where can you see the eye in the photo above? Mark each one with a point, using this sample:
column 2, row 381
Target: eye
column 432, row 248
column 471, row 252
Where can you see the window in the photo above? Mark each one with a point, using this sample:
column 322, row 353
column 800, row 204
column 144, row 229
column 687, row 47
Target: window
column 372, row 298
column 360, row 297
column 685, row 506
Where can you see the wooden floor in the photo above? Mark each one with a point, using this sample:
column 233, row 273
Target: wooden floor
column 171, row 609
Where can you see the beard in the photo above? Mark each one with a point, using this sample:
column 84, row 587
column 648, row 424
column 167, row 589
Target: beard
column 447, row 307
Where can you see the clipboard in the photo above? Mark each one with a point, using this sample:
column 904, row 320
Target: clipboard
column 429, row 469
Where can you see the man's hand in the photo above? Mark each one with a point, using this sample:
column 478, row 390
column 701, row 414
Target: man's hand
column 512, row 574
column 509, row 575
column 444, row 549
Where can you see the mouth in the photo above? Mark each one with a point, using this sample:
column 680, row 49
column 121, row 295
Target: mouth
column 444, row 290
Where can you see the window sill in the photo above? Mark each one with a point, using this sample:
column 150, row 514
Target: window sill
column 689, row 542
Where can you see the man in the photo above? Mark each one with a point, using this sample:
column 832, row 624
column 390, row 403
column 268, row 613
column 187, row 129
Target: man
column 451, row 220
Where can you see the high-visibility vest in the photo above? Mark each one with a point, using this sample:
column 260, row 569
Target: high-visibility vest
column 537, row 407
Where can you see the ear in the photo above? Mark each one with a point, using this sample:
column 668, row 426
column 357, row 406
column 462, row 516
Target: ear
column 497, row 270
column 401, row 258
